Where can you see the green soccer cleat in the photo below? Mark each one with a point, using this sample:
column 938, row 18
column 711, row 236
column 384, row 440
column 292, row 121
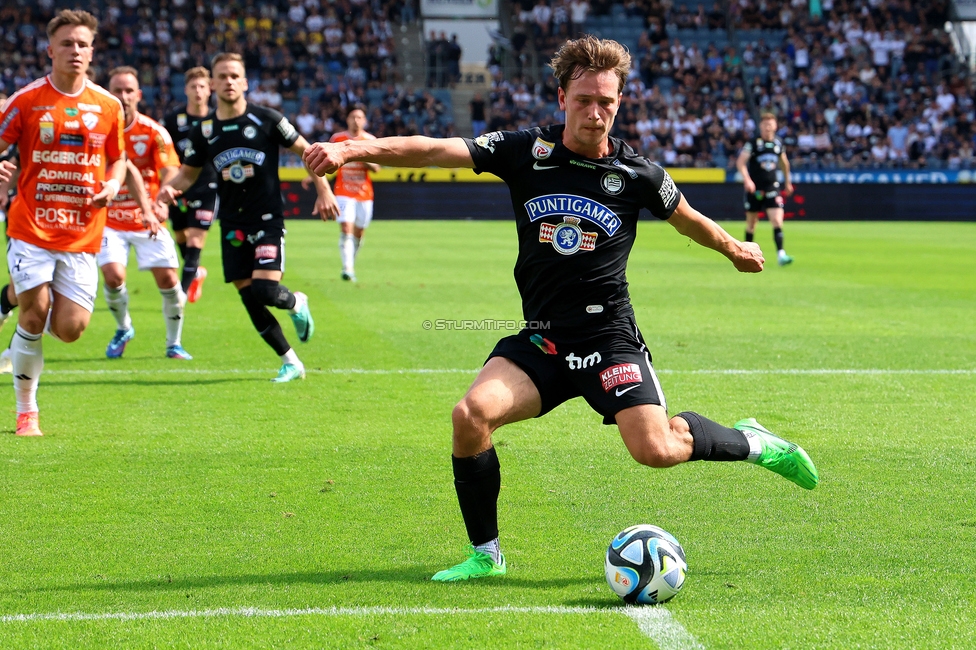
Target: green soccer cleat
column 288, row 372
column 304, row 325
column 781, row 456
column 478, row 565
column 784, row 259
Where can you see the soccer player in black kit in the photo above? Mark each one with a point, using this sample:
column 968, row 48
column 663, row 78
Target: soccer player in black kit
column 758, row 163
column 576, row 194
column 194, row 211
column 241, row 140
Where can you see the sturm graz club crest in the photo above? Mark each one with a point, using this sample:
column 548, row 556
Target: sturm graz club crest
column 567, row 237
column 612, row 183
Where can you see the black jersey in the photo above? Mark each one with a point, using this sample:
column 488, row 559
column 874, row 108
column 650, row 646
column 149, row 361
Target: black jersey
column 244, row 151
column 576, row 219
column 179, row 123
column 764, row 162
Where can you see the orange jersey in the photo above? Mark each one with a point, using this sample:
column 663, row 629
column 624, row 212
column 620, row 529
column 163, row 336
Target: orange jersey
column 352, row 179
column 149, row 147
column 66, row 143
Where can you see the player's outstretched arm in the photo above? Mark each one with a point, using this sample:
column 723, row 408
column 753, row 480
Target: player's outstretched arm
column 746, row 256
column 409, row 151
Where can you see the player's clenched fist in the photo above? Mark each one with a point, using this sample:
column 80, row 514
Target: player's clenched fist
column 749, row 258
column 323, row 158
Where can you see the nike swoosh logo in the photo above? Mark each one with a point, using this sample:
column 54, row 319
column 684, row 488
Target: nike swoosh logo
column 265, row 261
column 541, row 167
column 214, row 140
column 619, row 392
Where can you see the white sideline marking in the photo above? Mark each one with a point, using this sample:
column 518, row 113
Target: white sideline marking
column 660, row 626
column 655, row 622
column 472, row 371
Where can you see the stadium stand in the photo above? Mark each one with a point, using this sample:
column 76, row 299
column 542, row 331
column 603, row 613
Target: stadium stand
column 857, row 83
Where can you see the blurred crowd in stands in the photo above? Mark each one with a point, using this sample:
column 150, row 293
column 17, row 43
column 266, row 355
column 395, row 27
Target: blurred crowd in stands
column 856, row 83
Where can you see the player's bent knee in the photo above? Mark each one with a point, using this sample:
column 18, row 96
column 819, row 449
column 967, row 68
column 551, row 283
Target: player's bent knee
column 470, row 419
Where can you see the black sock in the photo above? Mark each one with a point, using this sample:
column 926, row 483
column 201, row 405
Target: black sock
column 182, row 248
column 748, row 236
column 713, row 441
column 5, row 306
column 191, row 261
column 273, row 294
column 778, row 238
column 477, row 481
column 264, row 322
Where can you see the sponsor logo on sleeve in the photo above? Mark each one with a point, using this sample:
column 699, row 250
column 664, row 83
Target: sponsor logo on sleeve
column 488, row 140
column 620, row 374
column 558, row 205
column 668, row 191
column 14, row 112
column 567, row 237
column 285, row 128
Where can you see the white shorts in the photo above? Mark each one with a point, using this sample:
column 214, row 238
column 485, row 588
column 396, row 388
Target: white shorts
column 73, row 275
column 354, row 211
column 158, row 253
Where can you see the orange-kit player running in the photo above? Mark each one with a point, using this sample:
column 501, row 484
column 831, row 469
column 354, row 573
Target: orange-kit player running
column 354, row 193
column 72, row 160
column 133, row 224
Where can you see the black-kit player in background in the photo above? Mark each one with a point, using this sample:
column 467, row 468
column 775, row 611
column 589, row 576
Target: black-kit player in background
column 241, row 141
column 577, row 194
column 195, row 210
column 759, row 163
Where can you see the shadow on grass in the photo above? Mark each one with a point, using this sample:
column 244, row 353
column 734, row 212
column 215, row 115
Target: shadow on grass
column 408, row 575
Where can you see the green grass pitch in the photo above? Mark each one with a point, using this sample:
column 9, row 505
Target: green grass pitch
column 164, row 489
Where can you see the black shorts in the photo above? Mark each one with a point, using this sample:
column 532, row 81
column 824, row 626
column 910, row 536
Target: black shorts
column 253, row 248
column 610, row 367
column 760, row 200
column 194, row 213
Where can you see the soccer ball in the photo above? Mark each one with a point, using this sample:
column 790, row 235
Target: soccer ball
column 645, row 564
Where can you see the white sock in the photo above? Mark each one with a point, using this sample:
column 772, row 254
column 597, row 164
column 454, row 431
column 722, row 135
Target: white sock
column 356, row 243
column 347, row 250
column 491, row 548
column 28, row 362
column 292, row 358
column 118, row 304
column 173, row 300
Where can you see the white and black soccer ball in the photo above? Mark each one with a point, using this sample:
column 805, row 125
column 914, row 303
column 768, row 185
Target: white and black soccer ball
column 645, row 564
